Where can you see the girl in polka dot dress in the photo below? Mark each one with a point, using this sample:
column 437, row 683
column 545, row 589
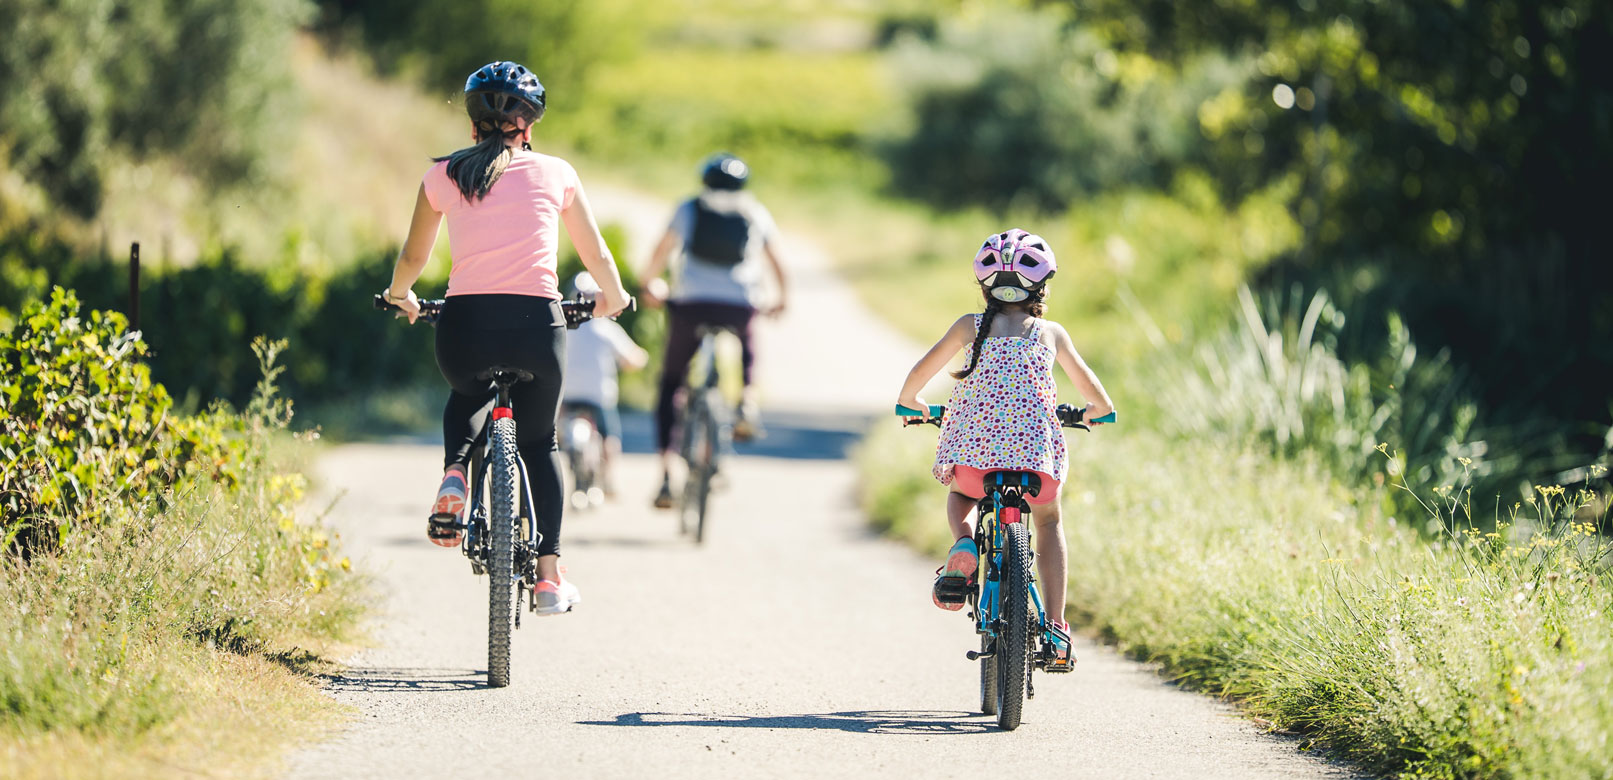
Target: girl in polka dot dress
column 1001, row 414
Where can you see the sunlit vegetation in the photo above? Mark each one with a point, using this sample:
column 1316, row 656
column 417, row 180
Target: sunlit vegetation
column 151, row 563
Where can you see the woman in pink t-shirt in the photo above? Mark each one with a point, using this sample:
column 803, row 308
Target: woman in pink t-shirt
column 504, row 204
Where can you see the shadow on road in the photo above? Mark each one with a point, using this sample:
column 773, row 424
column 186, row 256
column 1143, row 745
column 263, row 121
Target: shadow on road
column 880, row 722
column 624, row 541
column 790, row 435
column 383, row 680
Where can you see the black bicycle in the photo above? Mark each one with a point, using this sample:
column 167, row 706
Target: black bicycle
column 501, row 539
column 1016, row 635
column 705, row 435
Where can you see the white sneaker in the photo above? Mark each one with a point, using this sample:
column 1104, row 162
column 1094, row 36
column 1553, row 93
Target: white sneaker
column 551, row 599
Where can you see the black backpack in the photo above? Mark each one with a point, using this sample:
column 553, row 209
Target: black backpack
column 718, row 238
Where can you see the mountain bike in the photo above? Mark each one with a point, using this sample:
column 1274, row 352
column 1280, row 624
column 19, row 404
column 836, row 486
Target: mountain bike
column 1016, row 636
column 501, row 539
column 705, row 436
column 584, row 450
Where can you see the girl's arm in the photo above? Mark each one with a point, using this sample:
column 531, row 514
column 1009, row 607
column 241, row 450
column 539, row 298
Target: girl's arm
column 1098, row 402
column 957, row 337
column 584, row 232
column 414, row 256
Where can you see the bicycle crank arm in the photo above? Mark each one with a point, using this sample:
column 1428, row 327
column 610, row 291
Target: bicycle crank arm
column 975, row 655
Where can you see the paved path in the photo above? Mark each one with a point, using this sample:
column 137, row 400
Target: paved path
column 794, row 644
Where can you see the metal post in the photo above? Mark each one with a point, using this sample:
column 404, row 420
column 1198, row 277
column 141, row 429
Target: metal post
column 134, row 286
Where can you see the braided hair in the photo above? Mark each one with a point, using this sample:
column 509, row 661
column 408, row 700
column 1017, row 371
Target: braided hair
column 1036, row 306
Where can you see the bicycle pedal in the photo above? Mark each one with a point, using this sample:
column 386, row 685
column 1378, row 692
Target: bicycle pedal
column 1056, row 665
column 953, row 590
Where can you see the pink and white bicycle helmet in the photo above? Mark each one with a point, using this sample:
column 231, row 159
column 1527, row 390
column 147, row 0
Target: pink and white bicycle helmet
column 1013, row 264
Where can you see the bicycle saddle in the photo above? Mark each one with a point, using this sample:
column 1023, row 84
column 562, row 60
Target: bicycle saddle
column 503, row 375
column 1029, row 480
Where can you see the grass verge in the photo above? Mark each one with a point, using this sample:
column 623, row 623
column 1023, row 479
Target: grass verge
column 180, row 636
column 1472, row 654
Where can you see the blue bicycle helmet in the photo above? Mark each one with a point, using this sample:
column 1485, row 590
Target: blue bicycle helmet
column 723, row 171
column 504, row 91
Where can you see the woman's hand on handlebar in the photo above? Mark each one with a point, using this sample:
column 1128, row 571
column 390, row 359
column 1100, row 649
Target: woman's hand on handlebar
column 611, row 303
column 408, row 304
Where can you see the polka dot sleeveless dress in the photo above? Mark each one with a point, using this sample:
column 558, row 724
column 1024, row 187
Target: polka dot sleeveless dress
column 1001, row 416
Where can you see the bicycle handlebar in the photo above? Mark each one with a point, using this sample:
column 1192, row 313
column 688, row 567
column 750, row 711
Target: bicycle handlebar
column 576, row 311
column 1070, row 416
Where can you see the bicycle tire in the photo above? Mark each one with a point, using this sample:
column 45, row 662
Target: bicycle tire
column 708, row 470
column 505, row 476
column 988, row 679
column 699, row 423
column 693, row 420
column 1014, row 640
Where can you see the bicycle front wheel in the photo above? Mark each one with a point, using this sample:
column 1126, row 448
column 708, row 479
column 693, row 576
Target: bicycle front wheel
column 988, row 679
column 1014, row 641
column 505, row 476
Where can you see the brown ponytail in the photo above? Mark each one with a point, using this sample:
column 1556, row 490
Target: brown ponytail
column 475, row 169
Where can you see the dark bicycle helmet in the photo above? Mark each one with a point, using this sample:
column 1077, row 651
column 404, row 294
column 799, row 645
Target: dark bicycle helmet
column 723, row 171
column 503, row 91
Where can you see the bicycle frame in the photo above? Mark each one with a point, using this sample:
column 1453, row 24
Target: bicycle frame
column 1002, row 505
column 526, row 544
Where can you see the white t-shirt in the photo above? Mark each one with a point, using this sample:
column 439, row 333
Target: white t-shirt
column 699, row 281
column 592, row 352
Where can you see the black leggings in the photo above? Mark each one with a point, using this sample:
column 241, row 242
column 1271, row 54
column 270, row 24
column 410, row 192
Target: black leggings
column 476, row 332
column 683, row 339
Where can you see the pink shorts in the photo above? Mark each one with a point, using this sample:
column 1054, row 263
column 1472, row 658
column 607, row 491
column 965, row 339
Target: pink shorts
column 970, row 481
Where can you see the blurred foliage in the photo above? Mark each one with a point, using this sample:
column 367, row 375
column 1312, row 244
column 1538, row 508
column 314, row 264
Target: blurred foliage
column 444, row 41
column 199, row 321
column 1451, row 155
column 202, row 80
column 800, row 119
column 1043, row 122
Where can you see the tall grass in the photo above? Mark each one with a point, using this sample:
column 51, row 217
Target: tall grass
column 1276, row 377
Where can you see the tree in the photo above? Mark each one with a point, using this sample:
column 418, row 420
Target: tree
column 81, row 79
column 1453, row 159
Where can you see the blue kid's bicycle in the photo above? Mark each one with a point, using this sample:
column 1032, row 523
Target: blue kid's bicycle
column 1016, row 636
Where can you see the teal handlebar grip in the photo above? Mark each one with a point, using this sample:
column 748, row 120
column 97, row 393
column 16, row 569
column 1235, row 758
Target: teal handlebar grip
column 904, row 411
column 1108, row 418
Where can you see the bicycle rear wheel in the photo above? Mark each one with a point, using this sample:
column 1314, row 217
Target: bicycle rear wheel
column 505, row 477
column 1014, row 641
column 700, row 423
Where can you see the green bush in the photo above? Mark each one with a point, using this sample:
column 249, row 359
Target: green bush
column 173, row 537
column 1043, row 122
column 445, row 40
column 198, row 322
column 82, row 425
